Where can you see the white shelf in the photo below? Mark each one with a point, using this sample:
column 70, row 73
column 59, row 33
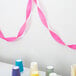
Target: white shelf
column 6, row 70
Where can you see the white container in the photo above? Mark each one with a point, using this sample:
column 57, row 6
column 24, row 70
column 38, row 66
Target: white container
column 54, row 74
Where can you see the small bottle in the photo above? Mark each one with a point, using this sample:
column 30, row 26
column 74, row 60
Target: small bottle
column 49, row 69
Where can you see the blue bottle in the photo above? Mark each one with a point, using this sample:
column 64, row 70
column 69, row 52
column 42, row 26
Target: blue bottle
column 19, row 63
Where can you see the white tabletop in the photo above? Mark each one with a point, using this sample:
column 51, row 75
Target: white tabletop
column 6, row 70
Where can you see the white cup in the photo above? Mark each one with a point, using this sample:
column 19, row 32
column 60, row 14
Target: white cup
column 73, row 70
column 54, row 74
column 33, row 67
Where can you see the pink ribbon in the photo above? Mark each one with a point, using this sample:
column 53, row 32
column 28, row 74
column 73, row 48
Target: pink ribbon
column 23, row 28
column 44, row 22
column 53, row 34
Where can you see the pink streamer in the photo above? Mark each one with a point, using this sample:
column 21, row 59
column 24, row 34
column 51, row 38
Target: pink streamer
column 56, row 37
column 53, row 34
column 1, row 35
column 9, row 39
column 43, row 20
column 23, row 28
column 72, row 46
column 28, row 9
column 42, row 17
column 35, row 1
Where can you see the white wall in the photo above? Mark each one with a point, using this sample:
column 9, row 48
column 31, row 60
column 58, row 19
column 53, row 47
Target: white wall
column 37, row 44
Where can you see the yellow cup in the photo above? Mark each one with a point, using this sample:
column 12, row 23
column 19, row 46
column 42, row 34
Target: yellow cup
column 35, row 73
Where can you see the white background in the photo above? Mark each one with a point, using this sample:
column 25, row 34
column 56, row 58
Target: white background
column 37, row 44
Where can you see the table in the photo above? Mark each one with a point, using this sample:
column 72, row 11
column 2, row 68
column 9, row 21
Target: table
column 6, row 70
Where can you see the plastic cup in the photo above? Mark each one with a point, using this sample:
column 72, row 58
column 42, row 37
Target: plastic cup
column 35, row 73
column 15, row 71
column 49, row 69
column 19, row 63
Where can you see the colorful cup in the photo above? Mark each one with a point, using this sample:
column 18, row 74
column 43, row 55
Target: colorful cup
column 19, row 63
column 49, row 69
column 34, row 66
column 15, row 71
column 35, row 73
